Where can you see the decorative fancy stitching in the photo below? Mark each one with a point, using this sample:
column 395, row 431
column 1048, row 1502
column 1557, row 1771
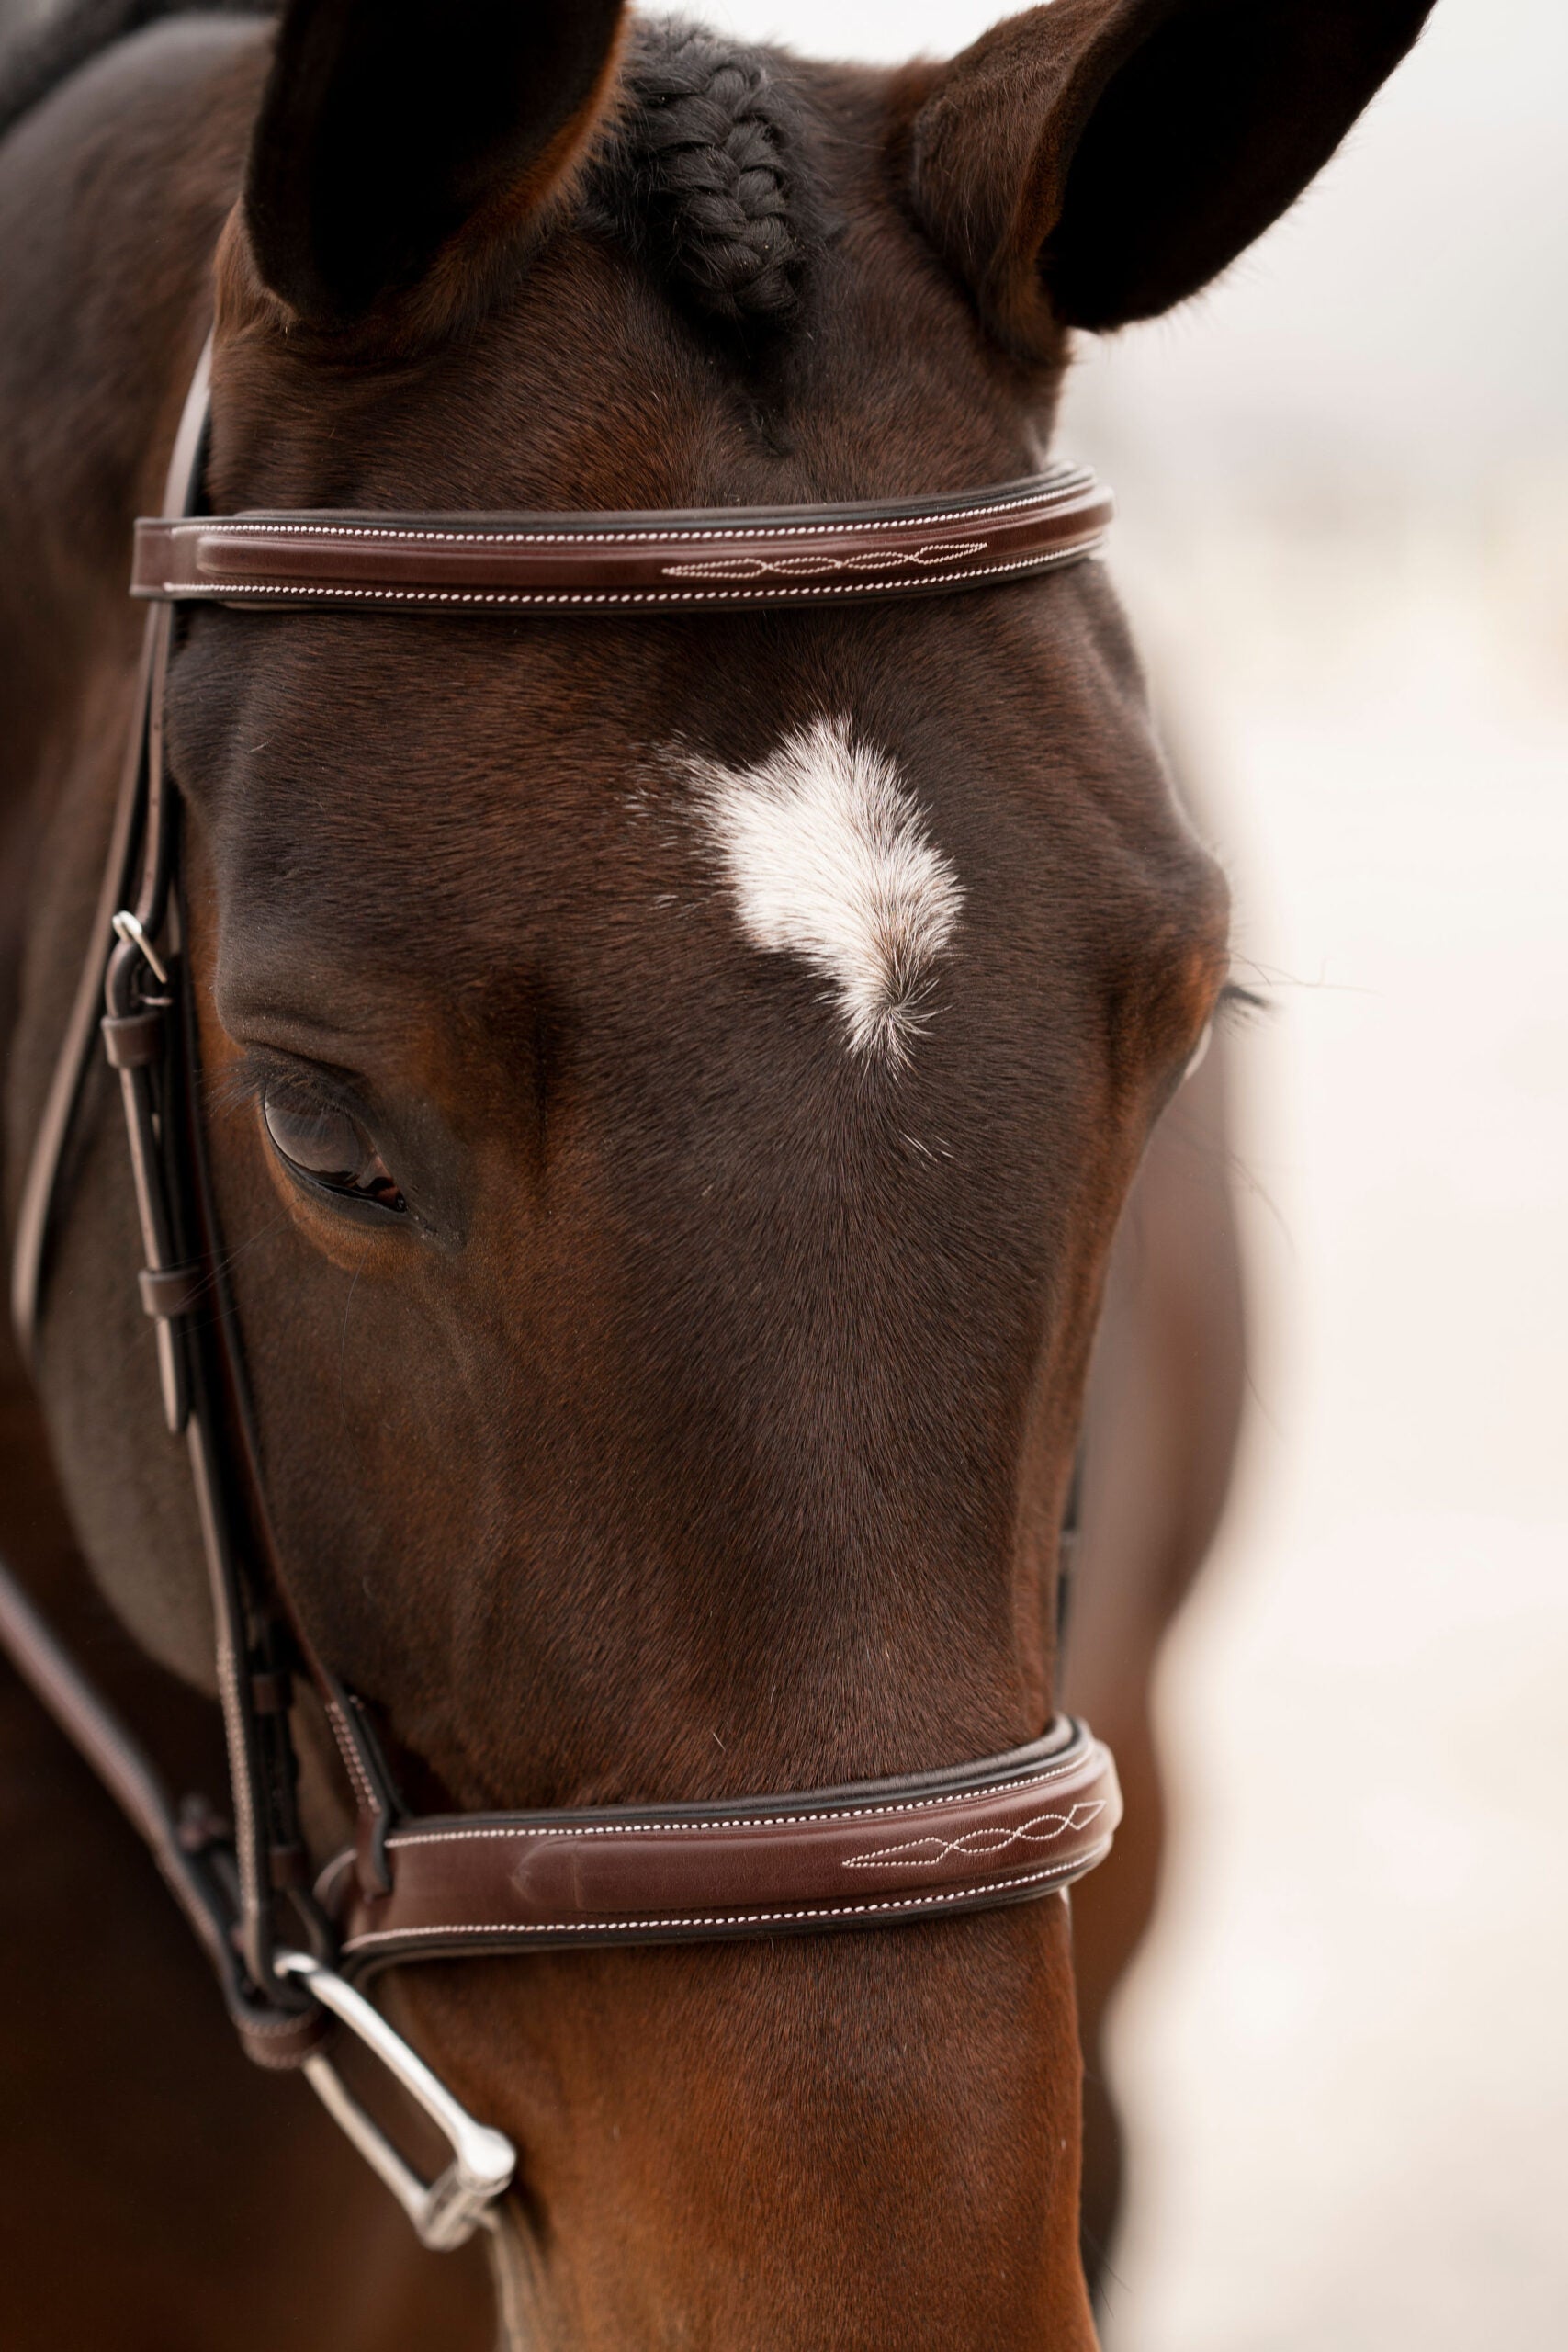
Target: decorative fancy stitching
column 976, row 1842
column 236, row 1740
column 238, row 591
column 1074, row 1760
column 1055, row 491
column 799, row 567
column 926, row 1900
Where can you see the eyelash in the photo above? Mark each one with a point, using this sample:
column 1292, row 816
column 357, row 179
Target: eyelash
column 1235, row 1003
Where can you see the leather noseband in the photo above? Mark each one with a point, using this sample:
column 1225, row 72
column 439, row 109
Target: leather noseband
column 1012, row 1827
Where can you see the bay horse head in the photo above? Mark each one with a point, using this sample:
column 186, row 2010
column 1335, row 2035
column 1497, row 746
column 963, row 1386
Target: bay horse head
column 672, row 1081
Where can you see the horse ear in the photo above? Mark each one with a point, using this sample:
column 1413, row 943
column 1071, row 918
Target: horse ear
column 389, row 126
column 1095, row 161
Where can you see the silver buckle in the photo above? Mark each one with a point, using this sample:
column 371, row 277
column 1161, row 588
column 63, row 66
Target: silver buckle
column 128, row 927
column 447, row 2211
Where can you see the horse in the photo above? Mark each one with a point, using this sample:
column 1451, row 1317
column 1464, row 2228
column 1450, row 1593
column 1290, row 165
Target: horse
column 672, row 1086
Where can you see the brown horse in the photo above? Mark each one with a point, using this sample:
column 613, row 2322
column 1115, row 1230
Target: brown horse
column 672, row 1086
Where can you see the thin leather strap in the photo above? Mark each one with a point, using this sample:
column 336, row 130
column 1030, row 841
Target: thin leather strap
column 721, row 560
column 144, row 985
column 42, row 1178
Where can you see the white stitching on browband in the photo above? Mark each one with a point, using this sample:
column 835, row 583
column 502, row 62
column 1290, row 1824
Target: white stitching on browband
column 1056, row 492
column 925, row 1901
column 1074, row 1760
column 238, row 591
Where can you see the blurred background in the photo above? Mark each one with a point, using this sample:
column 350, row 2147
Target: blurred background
column 1344, row 535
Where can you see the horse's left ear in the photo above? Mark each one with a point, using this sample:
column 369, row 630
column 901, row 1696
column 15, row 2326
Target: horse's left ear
column 390, row 128
column 1095, row 161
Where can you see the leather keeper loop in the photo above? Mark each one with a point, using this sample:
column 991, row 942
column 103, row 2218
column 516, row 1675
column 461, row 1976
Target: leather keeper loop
column 272, row 1694
column 286, row 1870
column 169, row 1291
column 372, row 1872
column 133, row 1040
column 279, row 2043
column 201, row 1826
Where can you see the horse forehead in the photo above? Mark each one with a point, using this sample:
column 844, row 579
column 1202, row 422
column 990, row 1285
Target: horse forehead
column 600, row 817
column 817, row 850
column 828, row 846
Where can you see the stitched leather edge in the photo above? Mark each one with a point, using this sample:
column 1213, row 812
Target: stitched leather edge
column 430, row 1943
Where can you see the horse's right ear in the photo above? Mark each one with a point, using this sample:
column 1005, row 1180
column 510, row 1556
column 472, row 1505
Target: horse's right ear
column 1095, row 161
column 391, row 129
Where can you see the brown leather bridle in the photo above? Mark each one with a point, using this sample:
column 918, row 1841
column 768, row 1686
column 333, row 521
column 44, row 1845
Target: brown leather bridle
column 972, row 1836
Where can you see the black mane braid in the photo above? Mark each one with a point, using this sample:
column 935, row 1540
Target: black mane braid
column 704, row 175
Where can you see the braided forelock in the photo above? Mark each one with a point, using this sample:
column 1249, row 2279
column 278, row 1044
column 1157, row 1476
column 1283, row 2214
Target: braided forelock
column 710, row 142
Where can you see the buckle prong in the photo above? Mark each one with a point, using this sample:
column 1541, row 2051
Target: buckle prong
column 445, row 2212
column 128, row 927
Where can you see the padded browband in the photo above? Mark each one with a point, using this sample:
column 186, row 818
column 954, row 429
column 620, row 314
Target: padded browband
column 927, row 1845
column 725, row 559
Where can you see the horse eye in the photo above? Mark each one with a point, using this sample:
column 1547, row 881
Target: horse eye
column 326, row 1144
